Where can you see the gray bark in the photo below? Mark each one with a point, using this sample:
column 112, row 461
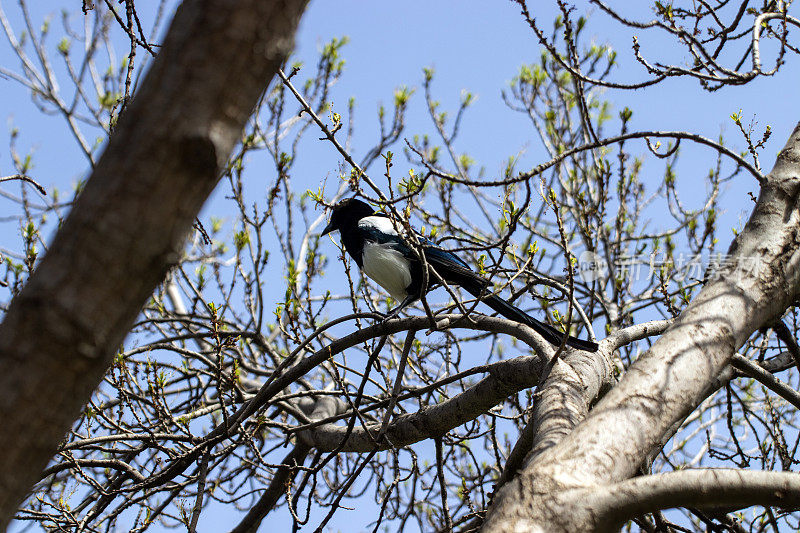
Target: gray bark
column 128, row 225
column 555, row 490
column 505, row 378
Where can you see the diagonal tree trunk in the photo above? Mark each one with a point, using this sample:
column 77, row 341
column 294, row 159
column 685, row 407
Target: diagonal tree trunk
column 128, row 225
column 564, row 488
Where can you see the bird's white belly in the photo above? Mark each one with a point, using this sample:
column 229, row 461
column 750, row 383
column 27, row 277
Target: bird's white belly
column 388, row 268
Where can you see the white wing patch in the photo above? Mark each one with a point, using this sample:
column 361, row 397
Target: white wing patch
column 387, row 267
column 382, row 224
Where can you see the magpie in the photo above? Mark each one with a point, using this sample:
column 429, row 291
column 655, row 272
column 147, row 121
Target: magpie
column 374, row 244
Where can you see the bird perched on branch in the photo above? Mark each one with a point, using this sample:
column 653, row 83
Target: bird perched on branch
column 381, row 253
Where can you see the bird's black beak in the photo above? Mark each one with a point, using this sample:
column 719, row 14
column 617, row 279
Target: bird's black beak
column 329, row 228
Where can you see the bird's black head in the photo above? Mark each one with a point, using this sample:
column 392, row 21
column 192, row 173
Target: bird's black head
column 347, row 213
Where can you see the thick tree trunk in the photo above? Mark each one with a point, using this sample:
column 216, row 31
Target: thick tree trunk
column 128, row 225
column 564, row 488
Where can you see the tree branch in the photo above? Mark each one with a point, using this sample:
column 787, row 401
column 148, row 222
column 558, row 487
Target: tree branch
column 729, row 488
column 129, row 223
column 664, row 384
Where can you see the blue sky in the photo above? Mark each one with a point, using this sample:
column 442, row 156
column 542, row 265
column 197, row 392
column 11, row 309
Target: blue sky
column 473, row 45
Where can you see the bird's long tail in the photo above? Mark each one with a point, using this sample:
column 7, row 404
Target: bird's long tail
column 550, row 334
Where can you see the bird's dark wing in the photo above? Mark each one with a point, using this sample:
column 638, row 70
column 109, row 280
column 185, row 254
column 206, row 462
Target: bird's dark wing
column 451, row 267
